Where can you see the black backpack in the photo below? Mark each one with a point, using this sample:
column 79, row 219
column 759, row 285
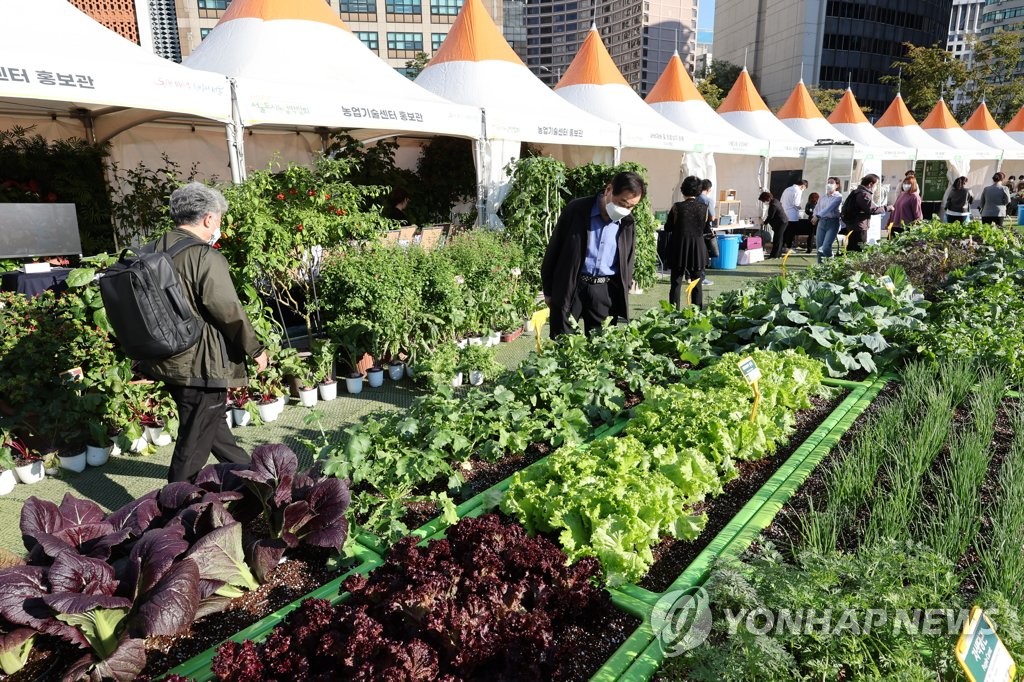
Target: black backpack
column 848, row 212
column 145, row 303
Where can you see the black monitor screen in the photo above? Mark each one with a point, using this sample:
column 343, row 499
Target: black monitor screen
column 33, row 230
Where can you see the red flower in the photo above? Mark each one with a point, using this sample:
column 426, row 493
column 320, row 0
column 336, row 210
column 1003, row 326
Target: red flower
column 51, row 197
column 292, row 190
column 280, row 197
column 338, row 211
column 217, row 245
column 342, row 211
column 311, row 193
column 299, row 227
column 327, row 196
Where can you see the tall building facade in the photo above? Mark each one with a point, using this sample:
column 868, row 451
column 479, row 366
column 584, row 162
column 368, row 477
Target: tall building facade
column 1003, row 15
column 964, row 24
column 829, row 42
column 117, row 15
column 641, row 35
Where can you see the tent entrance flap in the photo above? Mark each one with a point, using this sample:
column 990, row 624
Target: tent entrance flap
column 493, row 158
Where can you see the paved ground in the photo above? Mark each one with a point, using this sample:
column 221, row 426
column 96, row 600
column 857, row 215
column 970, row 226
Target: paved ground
column 123, row 479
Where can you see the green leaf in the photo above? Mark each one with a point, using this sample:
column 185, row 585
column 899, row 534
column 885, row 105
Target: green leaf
column 100, row 627
column 79, row 277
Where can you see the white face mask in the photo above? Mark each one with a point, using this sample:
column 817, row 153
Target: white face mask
column 906, row 187
column 616, row 212
column 830, row 187
column 216, row 236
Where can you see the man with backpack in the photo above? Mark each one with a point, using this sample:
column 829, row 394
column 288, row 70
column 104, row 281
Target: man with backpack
column 198, row 377
column 857, row 211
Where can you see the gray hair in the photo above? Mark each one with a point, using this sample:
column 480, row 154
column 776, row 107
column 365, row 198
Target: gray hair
column 190, row 203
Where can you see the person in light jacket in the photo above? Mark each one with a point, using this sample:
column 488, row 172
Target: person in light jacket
column 826, row 213
column 959, row 202
column 994, row 200
column 906, row 210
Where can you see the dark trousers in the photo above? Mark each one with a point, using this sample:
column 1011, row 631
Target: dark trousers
column 798, row 229
column 993, row 220
column 592, row 305
column 778, row 239
column 680, row 280
column 202, row 429
column 856, row 239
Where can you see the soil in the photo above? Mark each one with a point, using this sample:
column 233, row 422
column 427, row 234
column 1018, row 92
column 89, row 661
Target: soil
column 587, row 646
column 671, row 556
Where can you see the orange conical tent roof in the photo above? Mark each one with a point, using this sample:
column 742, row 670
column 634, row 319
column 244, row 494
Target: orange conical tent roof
column 592, row 65
column 848, row 111
column 269, row 10
column 674, row 84
column 799, row 104
column 474, row 37
column 940, row 117
column 897, row 115
column 981, row 119
column 1016, row 124
column 743, row 96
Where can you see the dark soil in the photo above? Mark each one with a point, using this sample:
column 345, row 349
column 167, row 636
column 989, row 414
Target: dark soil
column 671, row 556
column 586, row 646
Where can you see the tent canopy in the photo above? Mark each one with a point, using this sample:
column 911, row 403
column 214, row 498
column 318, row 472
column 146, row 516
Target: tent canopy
column 60, row 61
column 744, row 108
column 475, row 66
column 941, row 125
column 1015, row 128
column 849, row 119
column 803, row 117
column 983, row 128
column 322, row 75
column 899, row 125
column 676, row 98
column 593, row 83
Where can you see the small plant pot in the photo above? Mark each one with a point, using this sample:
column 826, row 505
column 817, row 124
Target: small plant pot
column 139, row 444
column 509, row 337
column 476, row 340
column 396, row 370
column 476, row 377
column 154, row 434
column 375, row 375
column 462, row 343
column 96, row 456
column 281, row 402
column 74, row 463
column 308, row 396
column 457, row 380
column 354, row 383
column 240, row 417
column 115, row 449
column 8, row 479
column 229, row 419
column 493, row 339
column 30, row 473
column 328, row 391
column 269, row 412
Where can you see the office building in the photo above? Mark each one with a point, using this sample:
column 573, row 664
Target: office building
column 829, row 42
column 1005, row 15
column 964, row 22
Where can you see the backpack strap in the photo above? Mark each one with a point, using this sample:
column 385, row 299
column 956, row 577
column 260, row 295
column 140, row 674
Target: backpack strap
column 174, row 249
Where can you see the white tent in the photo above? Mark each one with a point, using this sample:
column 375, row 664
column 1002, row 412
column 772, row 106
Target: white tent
column 899, row 125
column 320, row 75
column 941, row 125
column 800, row 115
column 983, row 128
column 1015, row 128
column 744, row 109
column 594, row 84
column 60, row 63
column 849, row 119
column 475, row 66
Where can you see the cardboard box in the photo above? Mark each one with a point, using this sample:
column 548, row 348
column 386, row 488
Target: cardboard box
column 749, row 256
column 727, row 195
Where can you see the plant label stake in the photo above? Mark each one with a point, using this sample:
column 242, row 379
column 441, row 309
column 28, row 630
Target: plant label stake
column 785, row 257
column 689, row 291
column 888, row 284
column 752, row 374
column 981, row 653
column 537, row 322
column 945, row 255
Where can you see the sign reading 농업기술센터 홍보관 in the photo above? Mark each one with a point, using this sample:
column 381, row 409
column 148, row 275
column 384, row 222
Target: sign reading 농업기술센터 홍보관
column 981, row 653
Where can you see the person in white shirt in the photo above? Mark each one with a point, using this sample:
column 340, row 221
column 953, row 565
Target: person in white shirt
column 792, row 200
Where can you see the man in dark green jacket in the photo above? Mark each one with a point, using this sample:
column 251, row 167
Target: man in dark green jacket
column 198, row 378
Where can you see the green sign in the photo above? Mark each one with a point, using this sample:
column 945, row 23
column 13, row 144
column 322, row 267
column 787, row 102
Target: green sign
column 931, row 179
column 982, row 655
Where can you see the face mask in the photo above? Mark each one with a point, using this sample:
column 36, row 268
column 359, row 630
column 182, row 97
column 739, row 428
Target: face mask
column 906, row 188
column 616, row 212
column 216, row 236
column 830, row 187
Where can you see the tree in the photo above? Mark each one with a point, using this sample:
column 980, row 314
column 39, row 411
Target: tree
column 825, row 99
column 925, row 74
column 993, row 77
column 716, row 81
column 711, row 93
column 415, row 66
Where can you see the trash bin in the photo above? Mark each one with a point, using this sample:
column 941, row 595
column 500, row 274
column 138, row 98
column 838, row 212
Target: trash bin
column 728, row 252
column 1020, row 214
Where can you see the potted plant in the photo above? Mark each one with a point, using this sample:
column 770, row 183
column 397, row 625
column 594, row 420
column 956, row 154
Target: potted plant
column 307, row 383
column 8, row 479
column 28, row 465
column 97, row 450
column 440, row 368
column 242, row 406
column 477, row 363
column 268, row 394
column 323, row 352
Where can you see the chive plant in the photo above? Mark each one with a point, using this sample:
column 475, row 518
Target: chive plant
column 1001, row 564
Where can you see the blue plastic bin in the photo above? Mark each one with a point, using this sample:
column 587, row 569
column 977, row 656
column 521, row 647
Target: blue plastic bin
column 728, row 252
column 1020, row 214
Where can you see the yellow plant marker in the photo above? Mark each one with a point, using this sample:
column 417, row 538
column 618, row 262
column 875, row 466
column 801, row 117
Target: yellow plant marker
column 537, row 322
column 752, row 374
column 981, row 653
column 888, row 284
column 689, row 291
column 785, row 257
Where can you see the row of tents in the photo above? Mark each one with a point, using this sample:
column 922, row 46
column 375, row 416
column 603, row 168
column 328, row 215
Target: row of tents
column 275, row 77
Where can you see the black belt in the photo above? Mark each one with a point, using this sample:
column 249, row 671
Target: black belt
column 594, row 279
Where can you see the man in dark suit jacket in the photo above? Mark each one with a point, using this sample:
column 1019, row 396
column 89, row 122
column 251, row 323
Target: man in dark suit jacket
column 588, row 267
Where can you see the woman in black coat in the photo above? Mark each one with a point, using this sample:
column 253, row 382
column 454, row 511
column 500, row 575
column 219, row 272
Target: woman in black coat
column 687, row 255
column 776, row 220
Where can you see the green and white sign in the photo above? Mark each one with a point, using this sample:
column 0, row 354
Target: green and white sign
column 750, row 370
column 982, row 655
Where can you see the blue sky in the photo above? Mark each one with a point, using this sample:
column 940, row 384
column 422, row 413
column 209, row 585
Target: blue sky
column 706, row 15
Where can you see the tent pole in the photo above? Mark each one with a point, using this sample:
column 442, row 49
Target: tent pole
column 236, row 139
column 482, row 172
column 85, row 117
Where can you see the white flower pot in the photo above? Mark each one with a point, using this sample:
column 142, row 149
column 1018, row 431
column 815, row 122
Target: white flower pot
column 457, row 380
column 8, row 479
column 269, row 412
column 308, row 396
column 328, row 391
column 139, row 444
column 153, row 433
column 30, row 473
column 115, row 449
column 476, row 340
column 463, row 343
column 493, row 339
column 476, row 377
column 396, row 371
column 95, row 456
column 354, row 384
column 375, row 375
column 281, row 402
column 240, row 417
column 74, row 463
